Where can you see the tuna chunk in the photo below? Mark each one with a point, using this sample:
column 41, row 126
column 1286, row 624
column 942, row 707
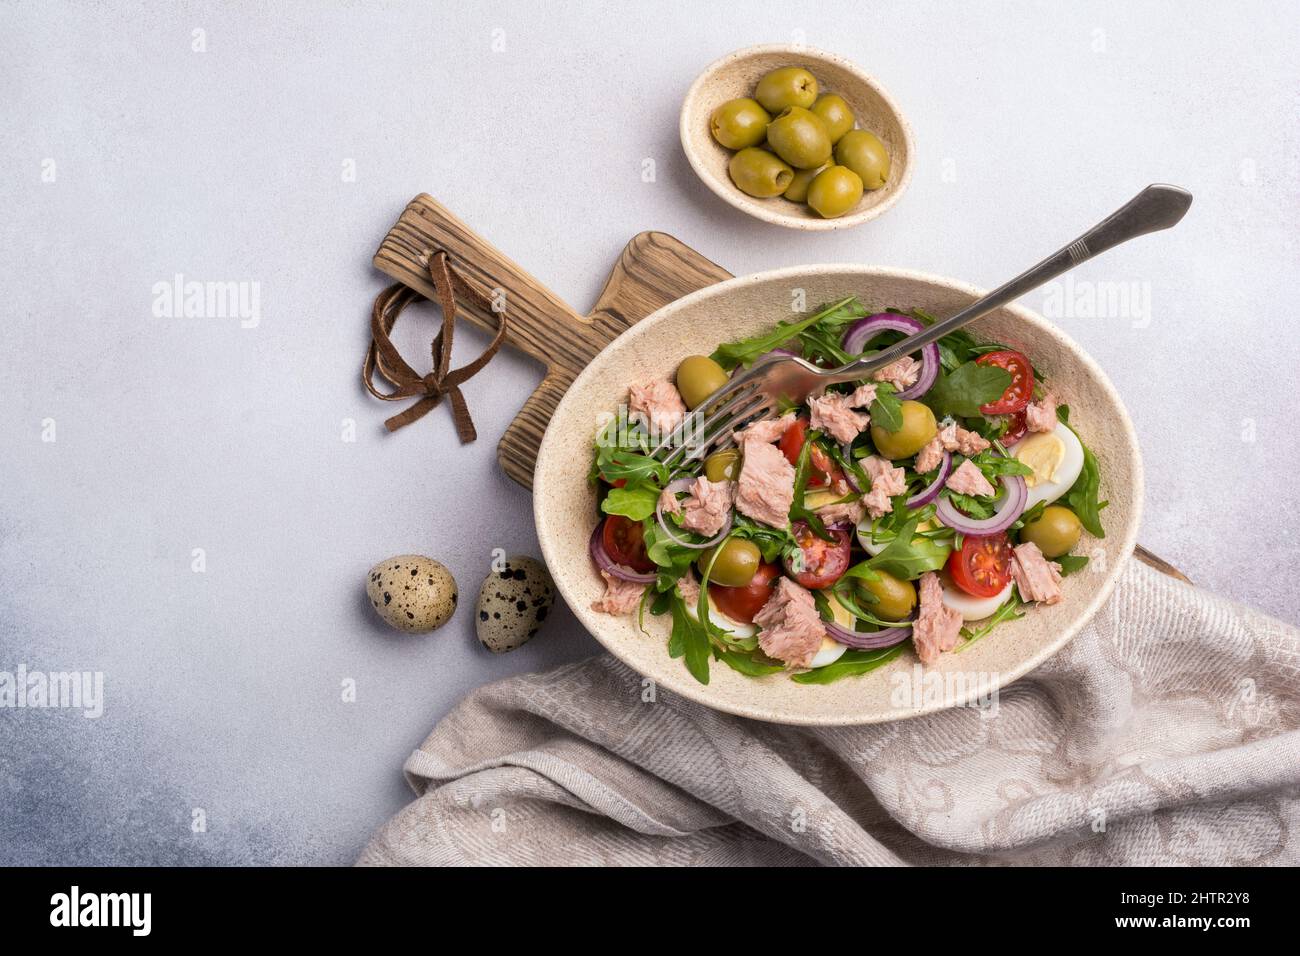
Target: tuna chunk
column 832, row 414
column 791, row 630
column 705, row 510
column 967, row 479
column 937, row 626
column 620, row 597
column 930, row 457
column 767, row 430
column 901, row 374
column 955, row 438
column 689, row 587
column 1037, row 579
column 1040, row 416
column 765, row 490
column 886, row 482
column 851, row 512
column 862, row 396
column 668, row 502
column 657, row 405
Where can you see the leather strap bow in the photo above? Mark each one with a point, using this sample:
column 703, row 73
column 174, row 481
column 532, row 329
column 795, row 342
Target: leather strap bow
column 406, row 381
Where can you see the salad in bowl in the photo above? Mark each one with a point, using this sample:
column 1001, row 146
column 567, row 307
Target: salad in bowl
column 915, row 509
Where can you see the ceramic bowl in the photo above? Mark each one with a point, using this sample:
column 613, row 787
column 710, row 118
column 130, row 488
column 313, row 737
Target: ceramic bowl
column 737, row 73
column 565, row 506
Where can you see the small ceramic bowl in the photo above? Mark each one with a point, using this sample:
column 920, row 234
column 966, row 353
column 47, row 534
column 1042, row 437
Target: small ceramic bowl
column 737, row 73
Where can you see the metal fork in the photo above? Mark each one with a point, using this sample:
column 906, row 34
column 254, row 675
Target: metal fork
column 755, row 393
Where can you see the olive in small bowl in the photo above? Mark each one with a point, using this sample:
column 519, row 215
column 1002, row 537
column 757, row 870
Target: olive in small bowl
column 799, row 137
column 759, row 173
column 797, row 191
column 786, row 87
column 739, row 123
column 862, row 151
column 835, row 191
column 838, row 116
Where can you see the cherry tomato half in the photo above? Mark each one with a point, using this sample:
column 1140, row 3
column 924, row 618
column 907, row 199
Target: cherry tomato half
column 1021, row 389
column 822, row 470
column 824, row 562
column 624, row 541
column 741, row 604
column 1016, row 429
column 982, row 566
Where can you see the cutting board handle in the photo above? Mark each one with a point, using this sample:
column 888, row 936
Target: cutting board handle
column 539, row 322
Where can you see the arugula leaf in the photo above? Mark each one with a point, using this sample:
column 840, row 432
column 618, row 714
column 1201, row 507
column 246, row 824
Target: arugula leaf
column 689, row 640
column 753, row 664
column 614, row 463
column 745, row 351
column 971, row 505
column 909, row 556
column 1082, row 496
column 1063, row 413
column 774, row 543
column 672, row 558
column 994, row 465
column 1030, row 516
column 798, row 510
column 633, row 501
column 852, row 663
column 961, row 392
column 886, row 411
column 1007, row 611
column 1071, row 562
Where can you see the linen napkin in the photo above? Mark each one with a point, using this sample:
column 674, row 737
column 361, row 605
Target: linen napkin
column 1164, row 733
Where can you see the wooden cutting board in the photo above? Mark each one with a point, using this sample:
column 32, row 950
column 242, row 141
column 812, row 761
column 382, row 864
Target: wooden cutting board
column 653, row 270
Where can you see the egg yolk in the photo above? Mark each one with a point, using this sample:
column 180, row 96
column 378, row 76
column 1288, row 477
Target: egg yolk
column 1043, row 452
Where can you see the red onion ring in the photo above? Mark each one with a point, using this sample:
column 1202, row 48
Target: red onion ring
column 931, row 491
column 864, row 330
column 867, row 640
column 682, row 484
column 1011, row 508
column 603, row 561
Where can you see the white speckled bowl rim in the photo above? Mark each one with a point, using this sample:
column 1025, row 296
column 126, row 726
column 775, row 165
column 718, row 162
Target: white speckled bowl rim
column 736, row 73
column 565, row 507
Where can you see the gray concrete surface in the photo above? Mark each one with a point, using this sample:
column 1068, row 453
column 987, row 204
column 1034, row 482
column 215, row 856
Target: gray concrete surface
column 128, row 156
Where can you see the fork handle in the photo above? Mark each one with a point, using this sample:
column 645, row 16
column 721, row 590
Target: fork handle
column 1155, row 208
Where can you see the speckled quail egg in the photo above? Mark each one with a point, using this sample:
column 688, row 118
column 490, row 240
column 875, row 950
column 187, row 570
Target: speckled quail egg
column 412, row 593
column 513, row 603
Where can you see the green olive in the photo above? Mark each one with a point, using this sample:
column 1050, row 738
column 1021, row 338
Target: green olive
column 835, row 113
column 737, row 124
column 800, row 138
column 865, row 154
column 788, row 86
column 894, row 598
column 918, row 428
column 736, row 563
column 1055, row 531
column 757, row 172
column 698, row 377
column 723, row 465
column 798, row 191
column 834, row 192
